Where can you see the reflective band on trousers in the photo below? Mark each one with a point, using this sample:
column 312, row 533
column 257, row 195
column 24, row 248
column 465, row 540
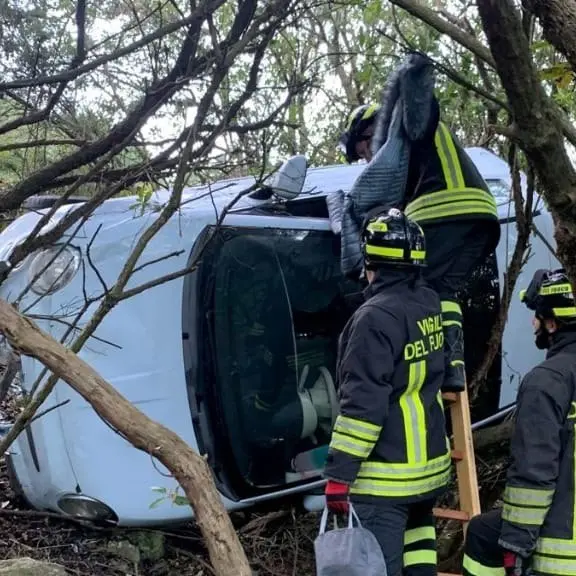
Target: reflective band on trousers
column 413, row 414
column 548, row 565
column 425, row 536
column 521, row 515
column 373, row 487
column 417, row 534
column 556, row 547
column 474, row 568
column 518, row 496
column 420, row 557
column 354, row 437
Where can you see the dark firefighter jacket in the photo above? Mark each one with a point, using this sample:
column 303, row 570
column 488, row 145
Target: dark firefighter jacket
column 389, row 439
column 444, row 184
column 538, row 516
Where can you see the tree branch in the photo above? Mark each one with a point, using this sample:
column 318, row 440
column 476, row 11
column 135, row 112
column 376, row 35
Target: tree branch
column 558, row 20
column 430, row 17
column 190, row 469
column 534, row 121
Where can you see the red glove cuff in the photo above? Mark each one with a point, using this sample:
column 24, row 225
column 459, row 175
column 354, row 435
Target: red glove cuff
column 509, row 559
column 334, row 488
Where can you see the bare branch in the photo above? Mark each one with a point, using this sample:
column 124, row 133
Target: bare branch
column 431, row 18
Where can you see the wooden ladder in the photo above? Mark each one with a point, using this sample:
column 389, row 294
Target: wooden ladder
column 463, row 456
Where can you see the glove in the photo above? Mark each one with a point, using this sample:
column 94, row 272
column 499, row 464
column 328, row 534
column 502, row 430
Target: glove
column 515, row 565
column 337, row 497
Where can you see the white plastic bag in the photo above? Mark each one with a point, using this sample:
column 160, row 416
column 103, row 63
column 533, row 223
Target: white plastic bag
column 350, row 551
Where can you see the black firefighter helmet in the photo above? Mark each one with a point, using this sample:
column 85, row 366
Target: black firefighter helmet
column 391, row 239
column 550, row 295
column 358, row 120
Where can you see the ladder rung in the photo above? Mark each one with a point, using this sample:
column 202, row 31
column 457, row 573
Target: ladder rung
column 450, row 514
column 457, row 455
column 450, row 396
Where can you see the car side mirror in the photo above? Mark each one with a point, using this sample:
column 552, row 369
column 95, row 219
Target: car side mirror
column 287, row 182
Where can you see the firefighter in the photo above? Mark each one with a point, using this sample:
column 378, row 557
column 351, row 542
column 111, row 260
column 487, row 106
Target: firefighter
column 535, row 531
column 389, row 453
column 446, row 194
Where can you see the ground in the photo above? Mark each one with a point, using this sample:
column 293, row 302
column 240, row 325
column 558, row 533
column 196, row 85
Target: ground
column 278, row 543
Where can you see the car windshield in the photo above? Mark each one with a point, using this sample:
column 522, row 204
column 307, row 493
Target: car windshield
column 280, row 303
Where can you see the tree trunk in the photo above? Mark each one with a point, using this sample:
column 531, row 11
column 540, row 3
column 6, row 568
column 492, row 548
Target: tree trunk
column 534, row 126
column 558, row 21
column 189, row 468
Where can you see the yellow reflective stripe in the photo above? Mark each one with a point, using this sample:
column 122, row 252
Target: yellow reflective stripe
column 572, row 416
column 448, row 157
column 350, row 445
column 380, row 251
column 413, row 414
column 373, row 487
column 369, row 111
column 367, row 114
column 451, row 323
column 357, row 428
column 522, row 294
column 560, row 566
column 474, row 568
column 441, row 404
column 393, row 252
column 556, row 547
column 568, row 311
column 558, row 289
column 455, row 196
column 448, row 306
column 417, row 534
column 518, row 496
column 419, row 557
column 402, row 470
column 377, row 226
column 519, row 515
column 452, row 209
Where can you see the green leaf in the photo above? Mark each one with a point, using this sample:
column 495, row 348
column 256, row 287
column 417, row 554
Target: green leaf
column 555, row 72
column 181, row 501
column 539, row 45
column 157, row 502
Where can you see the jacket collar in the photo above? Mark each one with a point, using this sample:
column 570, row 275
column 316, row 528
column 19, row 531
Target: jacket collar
column 562, row 341
column 391, row 279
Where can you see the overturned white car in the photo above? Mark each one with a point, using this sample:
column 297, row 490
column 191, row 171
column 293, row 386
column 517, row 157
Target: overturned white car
column 237, row 357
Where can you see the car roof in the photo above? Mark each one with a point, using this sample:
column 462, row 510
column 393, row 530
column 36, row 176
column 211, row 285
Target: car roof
column 319, row 181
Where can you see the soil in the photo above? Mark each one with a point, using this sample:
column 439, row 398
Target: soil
column 278, row 543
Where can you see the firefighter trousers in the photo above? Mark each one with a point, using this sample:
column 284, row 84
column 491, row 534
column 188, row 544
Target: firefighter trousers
column 406, row 533
column 482, row 554
column 453, row 251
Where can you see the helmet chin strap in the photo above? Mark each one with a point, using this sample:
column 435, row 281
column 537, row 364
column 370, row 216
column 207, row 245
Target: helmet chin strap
column 542, row 339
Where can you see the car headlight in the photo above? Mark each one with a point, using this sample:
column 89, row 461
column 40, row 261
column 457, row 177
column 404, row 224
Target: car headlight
column 56, row 265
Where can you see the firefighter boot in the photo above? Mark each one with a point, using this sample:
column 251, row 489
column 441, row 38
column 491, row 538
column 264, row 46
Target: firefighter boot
column 455, row 378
